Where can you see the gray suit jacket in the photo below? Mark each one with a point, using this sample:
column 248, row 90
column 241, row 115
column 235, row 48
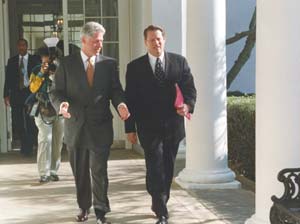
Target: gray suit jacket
column 91, row 118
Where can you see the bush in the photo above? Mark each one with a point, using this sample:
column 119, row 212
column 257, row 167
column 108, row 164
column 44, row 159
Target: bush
column 241, row 135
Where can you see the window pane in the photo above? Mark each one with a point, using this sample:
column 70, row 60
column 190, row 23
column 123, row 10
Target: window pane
column 75, row 17
column 92, row 8
column 48, row 28
column 75, row 24
column 48, row 17
column 26, row 18
column 112, row 32
column 26, row 28
column 110, row 7
column 38, row 18
column 75, row 6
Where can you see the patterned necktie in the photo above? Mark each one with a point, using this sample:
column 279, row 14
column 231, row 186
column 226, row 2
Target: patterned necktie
column 90, row 72
column 21, row 73
column 159, row 71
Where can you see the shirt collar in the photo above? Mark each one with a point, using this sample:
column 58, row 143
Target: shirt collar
column 24, row 57
column 85, row 57
column 153, row 58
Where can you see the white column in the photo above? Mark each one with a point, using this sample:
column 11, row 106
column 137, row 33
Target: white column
column 277, row 99
column 140, row 17
column 171, row 15
column 124, row 58
column 65, row 26
column 4, row 43
column 206, row 153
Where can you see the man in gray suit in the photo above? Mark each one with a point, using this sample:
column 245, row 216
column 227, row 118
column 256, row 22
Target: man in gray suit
column 84, row 85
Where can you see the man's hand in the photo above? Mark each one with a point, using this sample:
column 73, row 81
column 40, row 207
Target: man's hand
column 123, row 111
column 183, row 110
column 7, row 101
column 132, row 137
column 63, row 110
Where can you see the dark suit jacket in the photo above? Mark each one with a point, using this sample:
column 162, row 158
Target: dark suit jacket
column 12, row 78
column 91, row 118
column 152, row 104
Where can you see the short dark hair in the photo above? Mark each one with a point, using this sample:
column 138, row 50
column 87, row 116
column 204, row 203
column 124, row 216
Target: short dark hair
column 153, row 28
column 43, row 51
column 22, row 40
column 52, row 52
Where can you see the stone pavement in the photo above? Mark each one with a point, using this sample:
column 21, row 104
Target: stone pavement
column 25, row 201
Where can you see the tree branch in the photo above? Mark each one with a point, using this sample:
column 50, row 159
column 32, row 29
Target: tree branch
column 238, row 36
column 245, row 53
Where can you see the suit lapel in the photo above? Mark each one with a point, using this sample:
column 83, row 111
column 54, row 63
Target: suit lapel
column 80, row 71
column 167, row 64
column 16, row 65
column 148, row 67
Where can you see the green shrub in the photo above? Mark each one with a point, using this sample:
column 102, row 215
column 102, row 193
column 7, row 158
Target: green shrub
column 241, row 135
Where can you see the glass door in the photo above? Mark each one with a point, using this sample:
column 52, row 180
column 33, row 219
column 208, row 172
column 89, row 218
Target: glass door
column 102, row 11
column 38, row 20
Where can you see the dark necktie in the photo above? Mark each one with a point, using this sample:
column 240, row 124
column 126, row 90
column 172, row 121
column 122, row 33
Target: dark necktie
column 159, row 71
column 90, row 72
column 21, row 73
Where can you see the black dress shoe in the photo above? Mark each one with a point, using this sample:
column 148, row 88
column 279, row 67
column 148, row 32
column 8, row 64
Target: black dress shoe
column 83, row 215
column 162, row 220
column 102, row 221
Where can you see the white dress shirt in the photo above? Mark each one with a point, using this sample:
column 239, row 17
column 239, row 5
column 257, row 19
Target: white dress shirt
column 24, row 71
column 85, row 58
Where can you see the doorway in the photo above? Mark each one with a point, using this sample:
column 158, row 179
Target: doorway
column 36, row 20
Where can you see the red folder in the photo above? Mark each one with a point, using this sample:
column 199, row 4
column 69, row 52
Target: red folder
column 179, row 100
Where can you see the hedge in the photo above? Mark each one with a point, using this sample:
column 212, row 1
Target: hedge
column 241, row 135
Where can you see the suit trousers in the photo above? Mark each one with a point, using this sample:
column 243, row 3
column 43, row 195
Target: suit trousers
column 160, row 150
column 89, row 168
column 50, row 141
column 23, row 126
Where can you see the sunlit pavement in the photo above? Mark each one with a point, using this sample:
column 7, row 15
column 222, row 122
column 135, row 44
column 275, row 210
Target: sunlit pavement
column 24, row 200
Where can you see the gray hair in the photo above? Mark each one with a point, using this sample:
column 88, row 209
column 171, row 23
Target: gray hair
column 90, row 28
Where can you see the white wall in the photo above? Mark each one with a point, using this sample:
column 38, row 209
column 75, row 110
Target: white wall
column 238, row 17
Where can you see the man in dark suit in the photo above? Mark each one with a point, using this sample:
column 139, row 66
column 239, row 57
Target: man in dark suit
column 84, row 85
column 16, row 91
column 150, row 94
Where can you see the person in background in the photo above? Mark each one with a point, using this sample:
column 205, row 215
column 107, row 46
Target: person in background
column 150, row 95
column 85, row 83
column 50, row 125
column 16, row 90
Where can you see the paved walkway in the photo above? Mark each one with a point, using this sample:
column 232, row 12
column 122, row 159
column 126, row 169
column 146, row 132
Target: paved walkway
column 24, row 201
